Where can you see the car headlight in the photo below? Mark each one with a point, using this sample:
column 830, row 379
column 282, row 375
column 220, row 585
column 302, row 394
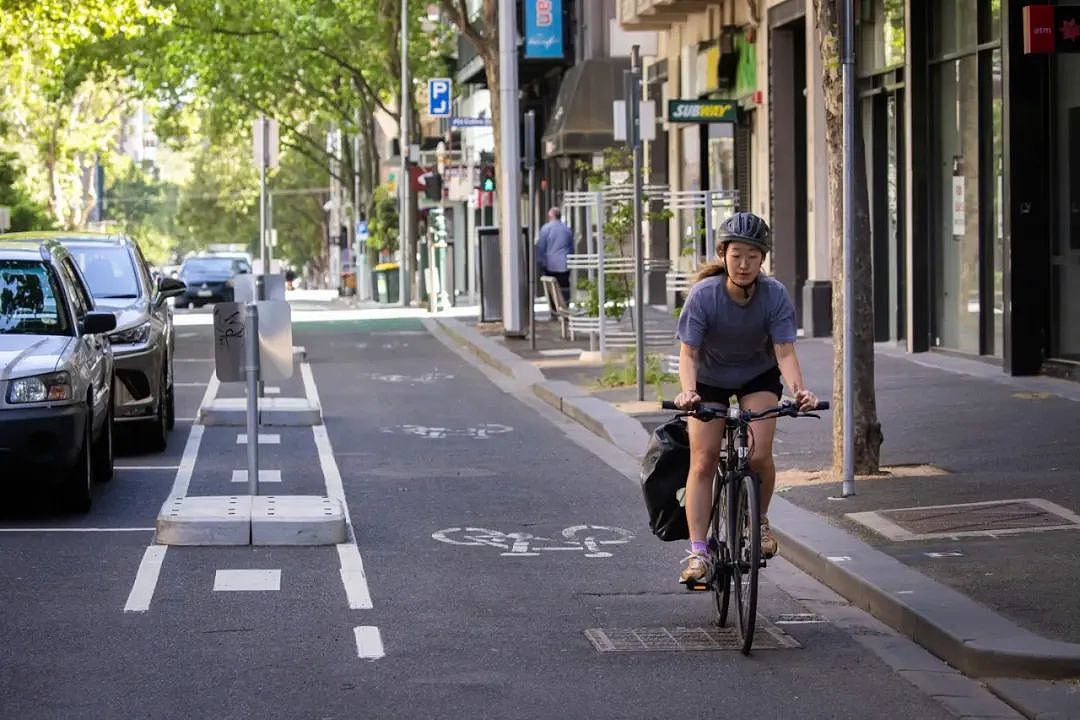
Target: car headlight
column 132, row 336
column 43, row 388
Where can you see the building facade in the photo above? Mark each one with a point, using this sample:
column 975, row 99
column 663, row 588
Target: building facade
column 971, row 154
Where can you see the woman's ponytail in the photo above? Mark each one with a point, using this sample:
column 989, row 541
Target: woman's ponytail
column 710, row 270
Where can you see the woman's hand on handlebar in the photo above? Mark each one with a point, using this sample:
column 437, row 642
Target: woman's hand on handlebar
column 806, row 400
column 687, row 400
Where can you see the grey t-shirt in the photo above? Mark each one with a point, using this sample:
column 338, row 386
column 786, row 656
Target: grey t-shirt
column 736, row 340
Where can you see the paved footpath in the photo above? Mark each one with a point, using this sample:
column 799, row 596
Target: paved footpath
column 989, row 582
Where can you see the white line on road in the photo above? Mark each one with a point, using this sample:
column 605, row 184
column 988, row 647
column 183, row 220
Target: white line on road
column 247, row 580
column 265, row 476
column 352, row 565
column 189, row 384
column 75, row 529
column 269, row 390
column 264, row 439
column 142, row 591
column 353, row 577
column 368, row 642
column 187, row 462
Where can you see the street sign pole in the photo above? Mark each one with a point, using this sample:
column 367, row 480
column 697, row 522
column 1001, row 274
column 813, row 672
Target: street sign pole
column 530, row 262
column 251, row 347
column 633, row 134
column 848, row 79
column 264, row 246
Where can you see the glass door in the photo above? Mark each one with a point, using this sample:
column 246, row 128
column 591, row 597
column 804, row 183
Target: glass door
column 1065, row 261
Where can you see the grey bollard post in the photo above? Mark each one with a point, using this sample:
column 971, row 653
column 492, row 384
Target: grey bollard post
column 251, row 347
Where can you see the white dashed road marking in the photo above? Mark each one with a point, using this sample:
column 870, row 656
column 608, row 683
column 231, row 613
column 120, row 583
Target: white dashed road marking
column 265, row 476
column 142, row 591
column 368, row 642
column 271, row 390
column 247, row 580
column 264, row 439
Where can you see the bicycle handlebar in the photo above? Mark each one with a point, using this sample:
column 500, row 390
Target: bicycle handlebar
column 708, row 412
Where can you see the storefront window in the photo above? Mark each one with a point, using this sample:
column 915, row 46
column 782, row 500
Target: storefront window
column 956, row 26
column 881, row 35
column 1066, row 246
column 956, row 267
column 998, row 165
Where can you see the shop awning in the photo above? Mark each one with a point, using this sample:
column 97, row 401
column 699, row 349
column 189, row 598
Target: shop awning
column 582, row 121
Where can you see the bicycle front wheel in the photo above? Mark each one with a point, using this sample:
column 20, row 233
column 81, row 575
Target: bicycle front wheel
column 745, row 547
column 721, row 581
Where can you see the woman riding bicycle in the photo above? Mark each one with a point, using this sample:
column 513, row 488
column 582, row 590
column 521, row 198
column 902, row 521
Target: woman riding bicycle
column 737, row 332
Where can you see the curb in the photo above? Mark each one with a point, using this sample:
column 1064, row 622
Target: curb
column 969, row 636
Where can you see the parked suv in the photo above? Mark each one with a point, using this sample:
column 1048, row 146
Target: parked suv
column 56, row 371
column 120, row 280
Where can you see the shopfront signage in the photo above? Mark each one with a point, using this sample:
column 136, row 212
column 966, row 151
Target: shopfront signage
column 1051, row 29
column 460, row 122
column 702, row 111
column 543, row 29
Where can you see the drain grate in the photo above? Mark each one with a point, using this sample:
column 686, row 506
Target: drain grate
column 969, row 519
column 683, row 639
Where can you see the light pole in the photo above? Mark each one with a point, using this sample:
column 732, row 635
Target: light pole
column 848, row 79
column 510, row 180
column 405, row 267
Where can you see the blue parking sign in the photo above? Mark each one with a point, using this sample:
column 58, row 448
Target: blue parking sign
column 439, row 96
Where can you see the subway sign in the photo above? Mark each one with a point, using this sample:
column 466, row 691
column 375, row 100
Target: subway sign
column 701, row 111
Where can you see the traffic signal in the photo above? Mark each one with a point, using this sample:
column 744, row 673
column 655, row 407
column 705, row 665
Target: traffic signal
column 487, row 179
column 433, row 186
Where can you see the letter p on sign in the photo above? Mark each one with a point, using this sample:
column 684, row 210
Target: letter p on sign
column 439, row 96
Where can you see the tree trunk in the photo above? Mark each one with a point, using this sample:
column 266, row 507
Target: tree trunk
column 868, row 435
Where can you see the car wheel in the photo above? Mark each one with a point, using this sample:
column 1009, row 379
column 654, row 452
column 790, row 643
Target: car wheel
column 103, row 448
column 80, row 476
column 156, row 431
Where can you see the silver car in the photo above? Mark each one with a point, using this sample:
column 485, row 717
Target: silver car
column 120, row 280
column 56, row 371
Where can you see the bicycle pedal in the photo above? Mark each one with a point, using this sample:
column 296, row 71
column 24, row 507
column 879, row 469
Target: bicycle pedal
column 694, row 585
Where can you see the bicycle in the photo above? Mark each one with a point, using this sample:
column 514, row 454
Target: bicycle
column 735, row 527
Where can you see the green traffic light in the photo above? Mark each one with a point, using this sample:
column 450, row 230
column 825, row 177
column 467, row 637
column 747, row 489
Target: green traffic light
column 488, row 184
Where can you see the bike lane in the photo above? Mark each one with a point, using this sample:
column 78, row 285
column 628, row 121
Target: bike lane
column 493, row 542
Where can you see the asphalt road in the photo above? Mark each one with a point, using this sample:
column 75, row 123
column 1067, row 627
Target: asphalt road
column 443, row 623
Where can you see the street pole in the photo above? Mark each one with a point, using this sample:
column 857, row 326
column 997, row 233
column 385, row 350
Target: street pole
column 510, row 180
column 405, row 267
column 251, row 349
column 633, row 134
column 530, row 262
column 264, row 245
column 848, row 79
column 361, row 264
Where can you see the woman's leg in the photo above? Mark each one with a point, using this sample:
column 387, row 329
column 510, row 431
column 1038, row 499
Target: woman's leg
column 706, row 441
column 761, row 461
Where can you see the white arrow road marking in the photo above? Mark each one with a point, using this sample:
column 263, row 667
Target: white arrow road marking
column 368, row 642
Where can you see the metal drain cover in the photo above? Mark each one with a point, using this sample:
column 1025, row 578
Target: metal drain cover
column 683, row 639
column 969, row 519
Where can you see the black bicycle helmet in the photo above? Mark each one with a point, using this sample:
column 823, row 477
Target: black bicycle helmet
column 746, row 228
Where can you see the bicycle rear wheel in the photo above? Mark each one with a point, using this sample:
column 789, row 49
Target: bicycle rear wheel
column 745, row 547
column 721, row 580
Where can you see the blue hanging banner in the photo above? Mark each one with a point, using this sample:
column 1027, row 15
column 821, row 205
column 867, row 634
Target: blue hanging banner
column 543, row 29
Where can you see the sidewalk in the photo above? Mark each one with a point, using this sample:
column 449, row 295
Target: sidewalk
column 986, row 587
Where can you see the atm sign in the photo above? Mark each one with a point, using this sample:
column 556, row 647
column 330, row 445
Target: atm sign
column 702, row 111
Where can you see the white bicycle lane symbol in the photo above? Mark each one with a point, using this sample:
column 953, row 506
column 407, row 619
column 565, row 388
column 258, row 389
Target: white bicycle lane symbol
column 587, row 538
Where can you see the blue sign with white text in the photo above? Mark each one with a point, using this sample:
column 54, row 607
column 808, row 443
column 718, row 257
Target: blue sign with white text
column 439, row 97
column 543, row 29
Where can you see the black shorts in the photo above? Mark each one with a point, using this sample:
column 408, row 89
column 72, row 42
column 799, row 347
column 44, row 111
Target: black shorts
column 768, row 381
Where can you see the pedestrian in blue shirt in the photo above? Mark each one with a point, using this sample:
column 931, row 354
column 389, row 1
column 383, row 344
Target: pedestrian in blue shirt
column 554, row 242
column 737, row 331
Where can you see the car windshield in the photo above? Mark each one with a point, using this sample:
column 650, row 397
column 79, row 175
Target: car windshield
column 108, row 270
column 29, row 300
column 214, row 265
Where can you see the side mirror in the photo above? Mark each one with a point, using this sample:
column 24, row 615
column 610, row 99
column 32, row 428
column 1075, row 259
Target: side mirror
column 171, row 287
column 96, row 323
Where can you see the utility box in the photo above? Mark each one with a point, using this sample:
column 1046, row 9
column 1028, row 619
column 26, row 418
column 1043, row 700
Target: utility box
column 489, row 259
